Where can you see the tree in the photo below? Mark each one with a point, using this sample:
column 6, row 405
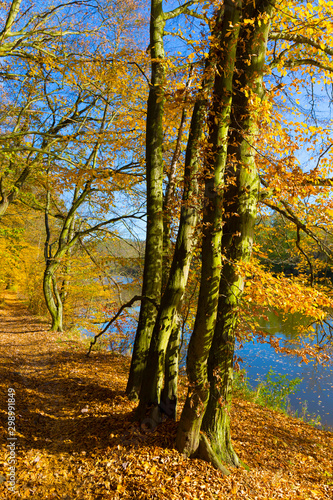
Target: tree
column 240, row 205
column 58, row 111
column 165, row 332
column 37, row 41
column 88, row 172
column 153, row 267
column 230, row 205
column 240, row 200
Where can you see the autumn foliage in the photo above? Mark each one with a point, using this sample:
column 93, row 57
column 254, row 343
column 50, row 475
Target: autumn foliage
column 77, row 437
column 184, row 158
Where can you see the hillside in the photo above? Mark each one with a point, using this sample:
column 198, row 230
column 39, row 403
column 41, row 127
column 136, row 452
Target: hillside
column 76, row 437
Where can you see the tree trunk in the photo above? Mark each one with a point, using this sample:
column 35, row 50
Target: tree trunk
column 216, row 421
column 169, row 395
column 52, row 298
column 150, row 394
column 4, row 201
column 226, row 34
column 152, row 274
column 240, row 207
column 170, row 193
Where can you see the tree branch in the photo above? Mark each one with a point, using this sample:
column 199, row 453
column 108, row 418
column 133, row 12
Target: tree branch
column 294, row 63
column 179, row 10
column 300, row 39
column 124, row 306
column 290, row 215
column 298, row 244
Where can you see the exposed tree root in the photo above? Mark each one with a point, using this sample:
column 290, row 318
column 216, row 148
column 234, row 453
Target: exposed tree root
column 206, row 452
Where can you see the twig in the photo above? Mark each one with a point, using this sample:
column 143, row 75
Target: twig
column 124, row 306
column 298, row 244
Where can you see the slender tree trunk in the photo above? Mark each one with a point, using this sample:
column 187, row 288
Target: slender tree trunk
column 63, row 291
column 170, row 192
column 240, row 207
column 4, row 201
column 169, row 394
column 167, row 204
column 8, row 197
column 52, row 295
column 152, row 274
column 52, row 298
column 226, row 34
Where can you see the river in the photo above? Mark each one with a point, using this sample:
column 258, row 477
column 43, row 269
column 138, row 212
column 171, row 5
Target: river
column 317, row 380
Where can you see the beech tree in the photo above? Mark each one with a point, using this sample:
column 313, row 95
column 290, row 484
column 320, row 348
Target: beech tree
column 74, row 227
column 231, row 169
column 91, row 173
column 33, row 51
column 153, row 266
column 65, row 99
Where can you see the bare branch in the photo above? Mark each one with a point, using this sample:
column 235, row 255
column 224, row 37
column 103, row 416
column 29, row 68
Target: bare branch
column 116, row 316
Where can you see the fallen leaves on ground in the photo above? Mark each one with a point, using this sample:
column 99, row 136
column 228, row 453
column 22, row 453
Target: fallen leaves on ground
column 76, row 436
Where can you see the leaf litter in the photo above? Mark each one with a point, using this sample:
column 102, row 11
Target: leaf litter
column 77, row 438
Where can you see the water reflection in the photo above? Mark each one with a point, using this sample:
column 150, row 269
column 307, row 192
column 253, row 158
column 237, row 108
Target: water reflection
column 317, row 384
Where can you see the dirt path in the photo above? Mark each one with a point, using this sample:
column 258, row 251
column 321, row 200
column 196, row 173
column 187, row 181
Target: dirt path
column 29, row 365
column 56, row 390
column 76, row 439
column 26, row 344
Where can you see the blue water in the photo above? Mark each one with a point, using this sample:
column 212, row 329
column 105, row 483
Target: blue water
column 316, row 386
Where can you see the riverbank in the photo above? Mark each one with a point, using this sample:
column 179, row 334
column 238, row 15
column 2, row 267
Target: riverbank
column 75, row 435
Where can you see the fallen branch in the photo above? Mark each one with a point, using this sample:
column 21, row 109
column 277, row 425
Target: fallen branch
column 124, row 306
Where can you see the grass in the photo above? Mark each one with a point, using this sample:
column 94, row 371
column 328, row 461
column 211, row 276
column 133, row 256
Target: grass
column 273, row 393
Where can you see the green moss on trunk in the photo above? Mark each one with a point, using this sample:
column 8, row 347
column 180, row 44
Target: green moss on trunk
column 152, row 274
column 175, row 287
column 225, row 36
column 240, row 206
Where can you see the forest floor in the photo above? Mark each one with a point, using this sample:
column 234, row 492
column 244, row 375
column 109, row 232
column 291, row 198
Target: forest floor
column 76, row 438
